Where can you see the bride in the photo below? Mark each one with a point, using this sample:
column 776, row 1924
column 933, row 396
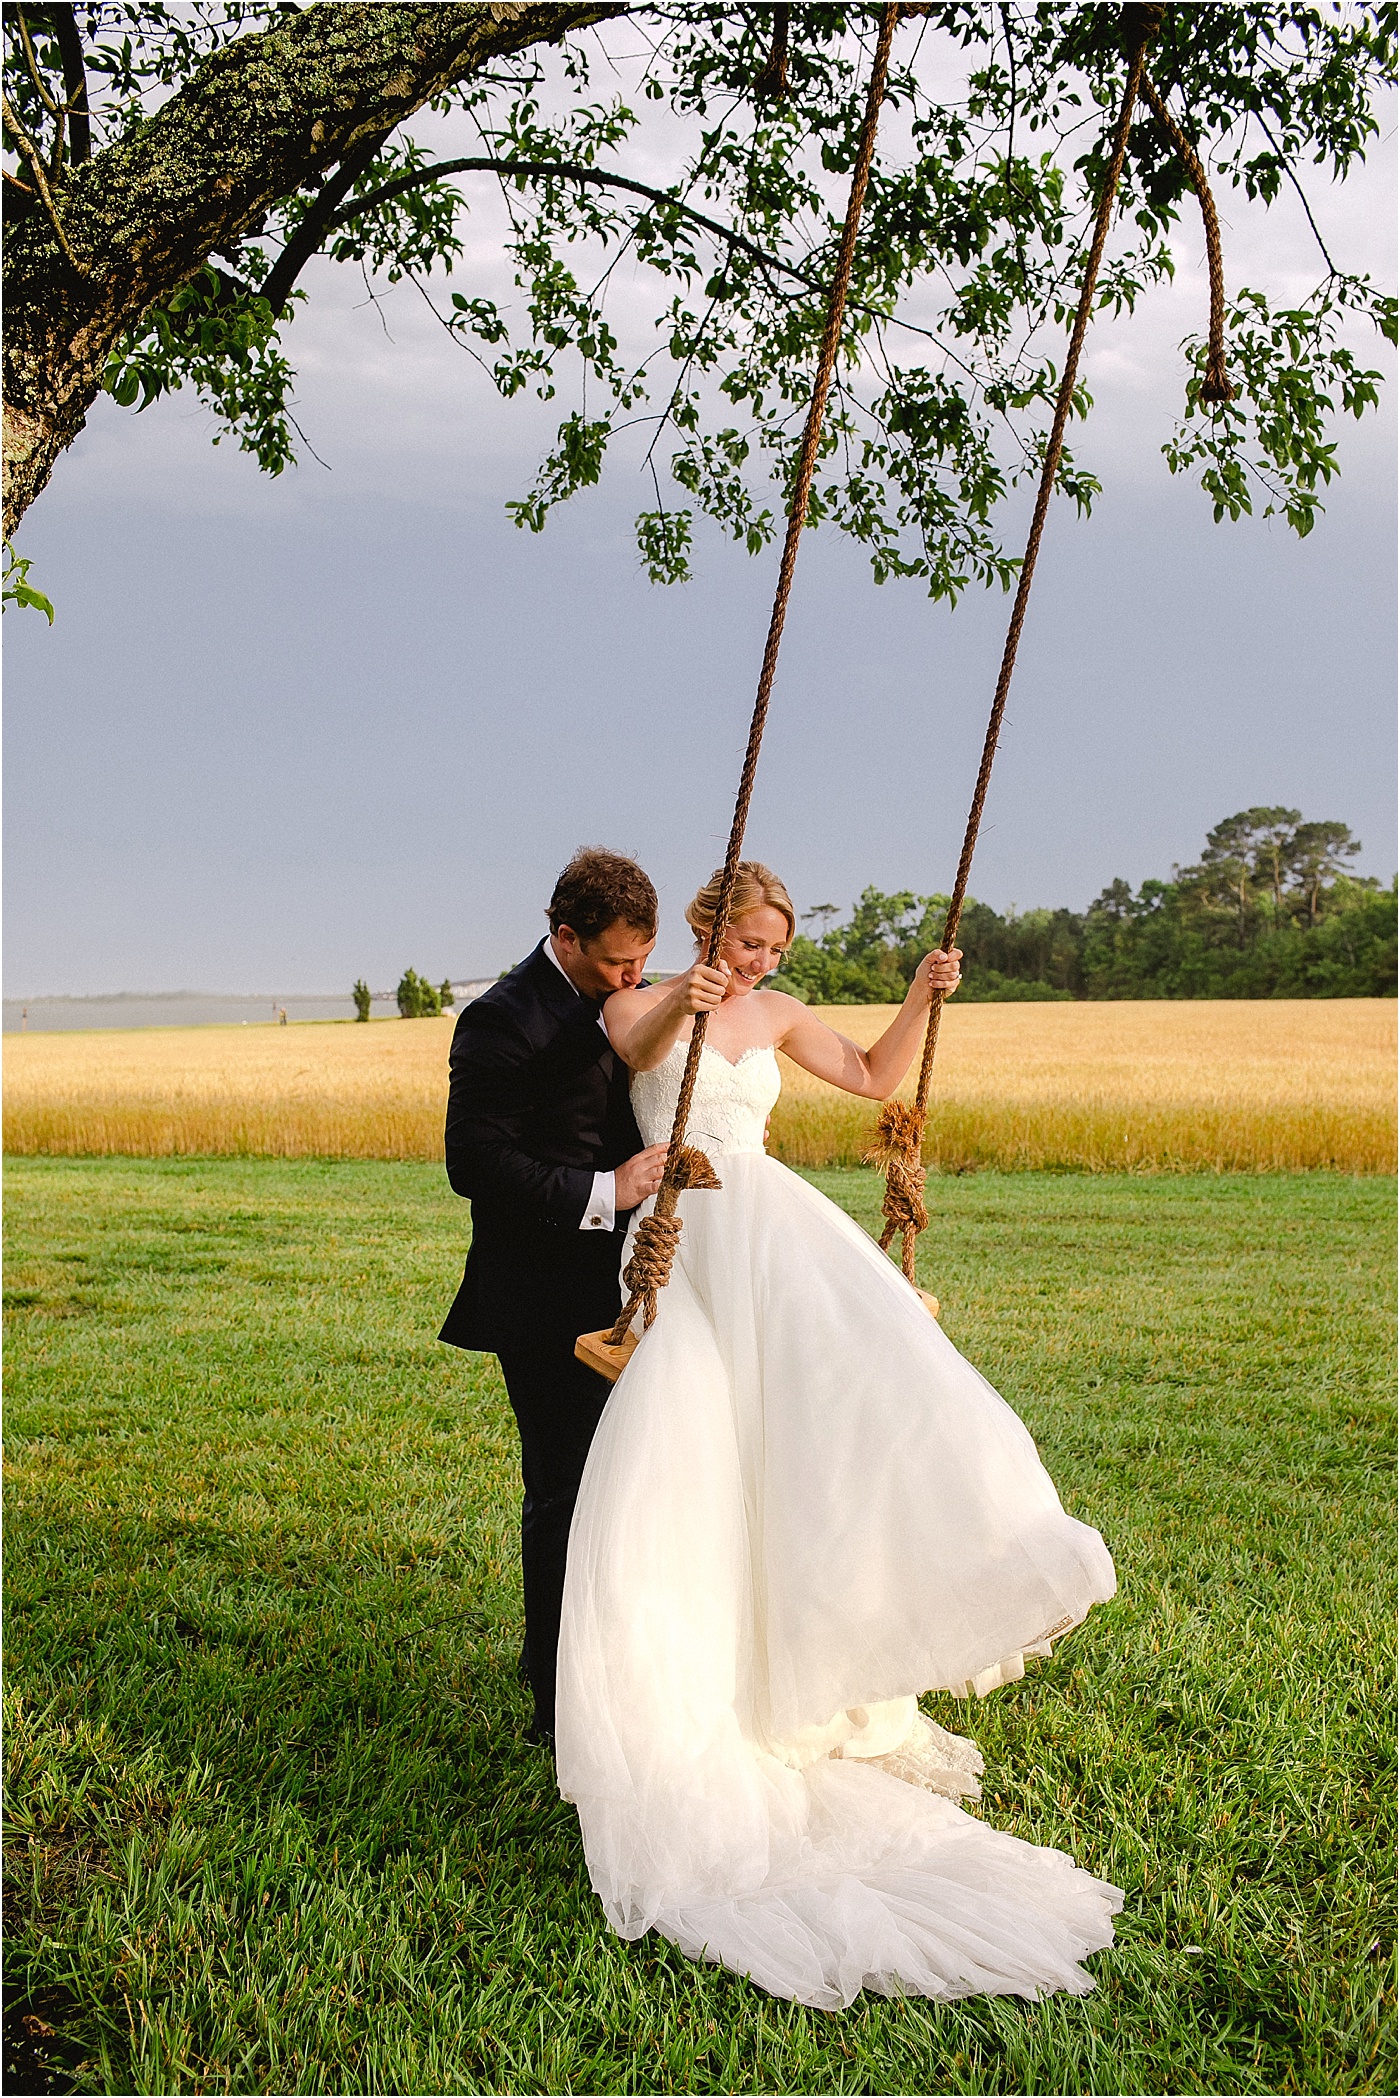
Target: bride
column 803, row 1508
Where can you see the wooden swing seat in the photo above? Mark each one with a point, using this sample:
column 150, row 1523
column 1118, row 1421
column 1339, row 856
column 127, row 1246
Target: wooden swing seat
column 610, row 1358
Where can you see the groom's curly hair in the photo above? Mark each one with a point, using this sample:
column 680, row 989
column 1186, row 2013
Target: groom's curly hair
column 596, row 889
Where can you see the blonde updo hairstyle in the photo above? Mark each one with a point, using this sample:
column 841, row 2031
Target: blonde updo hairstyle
column 756, row 885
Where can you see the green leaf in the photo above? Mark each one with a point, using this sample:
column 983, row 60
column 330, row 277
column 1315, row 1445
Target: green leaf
column 18, row 590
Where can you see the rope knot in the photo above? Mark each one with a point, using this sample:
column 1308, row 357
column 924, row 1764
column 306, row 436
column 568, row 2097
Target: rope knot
column 654, row 1248
column 896, row 1152
column 1216, row 386
column 690, row 1167
column 649, row 1269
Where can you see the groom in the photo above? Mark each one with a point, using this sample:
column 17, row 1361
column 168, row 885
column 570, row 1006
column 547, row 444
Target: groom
column 542, row 1141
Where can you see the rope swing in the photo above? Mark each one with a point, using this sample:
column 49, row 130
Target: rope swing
column 900, row 1128
column 899, row 1131
column 649, row 1268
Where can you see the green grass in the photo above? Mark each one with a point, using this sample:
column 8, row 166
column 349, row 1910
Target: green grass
column 274, row 1824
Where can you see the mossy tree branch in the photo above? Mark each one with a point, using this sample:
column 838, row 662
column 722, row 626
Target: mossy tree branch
column 262, row 118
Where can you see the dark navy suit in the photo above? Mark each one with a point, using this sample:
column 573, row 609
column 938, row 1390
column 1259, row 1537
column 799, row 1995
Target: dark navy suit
column 537, row 1104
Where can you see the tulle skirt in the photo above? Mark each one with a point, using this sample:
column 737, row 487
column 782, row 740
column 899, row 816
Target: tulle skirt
column 802, row 1508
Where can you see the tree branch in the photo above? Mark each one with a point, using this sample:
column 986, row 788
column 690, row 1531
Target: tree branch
column 1302, row 199
column 36, row 168
column 57, row 110
column 600, row 177
column 263, row 117
column 564, row 171
column 571, row 171
column 772, row 83
column 33, row 64
column 317, row 223
column 75, row 89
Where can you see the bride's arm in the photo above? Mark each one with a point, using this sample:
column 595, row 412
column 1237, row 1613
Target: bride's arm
column 644, row 1025
column 875, row 1072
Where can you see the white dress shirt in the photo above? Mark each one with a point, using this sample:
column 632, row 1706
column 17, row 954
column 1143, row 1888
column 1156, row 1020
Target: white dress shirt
column 600, row 1211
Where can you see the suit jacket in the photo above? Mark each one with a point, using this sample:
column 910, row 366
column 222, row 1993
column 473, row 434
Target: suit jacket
column 537, row 1104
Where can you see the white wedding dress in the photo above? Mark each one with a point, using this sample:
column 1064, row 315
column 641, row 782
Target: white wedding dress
column 802, row 1507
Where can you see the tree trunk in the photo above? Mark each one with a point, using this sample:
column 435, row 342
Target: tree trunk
column 260, row 118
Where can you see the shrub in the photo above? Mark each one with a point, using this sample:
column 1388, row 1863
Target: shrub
column 418, row 1000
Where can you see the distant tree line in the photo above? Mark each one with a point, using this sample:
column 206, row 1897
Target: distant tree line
column 420, row 1000
column 417, row 998
column 1271, row 910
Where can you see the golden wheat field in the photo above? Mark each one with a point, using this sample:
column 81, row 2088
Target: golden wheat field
column 1152, row 1087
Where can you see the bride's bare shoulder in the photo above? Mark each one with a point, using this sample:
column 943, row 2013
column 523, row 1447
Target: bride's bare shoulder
column 625, row 1010
column 637, row 1000
column 781, row 1012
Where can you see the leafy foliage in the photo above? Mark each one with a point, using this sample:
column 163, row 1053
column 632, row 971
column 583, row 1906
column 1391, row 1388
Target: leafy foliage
column 418, row 999
column 18, row 590
column 1294, row 375
column 363, row 997
column 221, row 338
column 1270, row 911
column 992, row 151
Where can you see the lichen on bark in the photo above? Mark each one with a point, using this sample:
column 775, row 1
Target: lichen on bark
column 263, row 116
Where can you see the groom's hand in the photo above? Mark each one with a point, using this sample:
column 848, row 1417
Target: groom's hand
column 638, row 1177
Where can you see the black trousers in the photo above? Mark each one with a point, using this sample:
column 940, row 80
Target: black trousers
column 557, row 1404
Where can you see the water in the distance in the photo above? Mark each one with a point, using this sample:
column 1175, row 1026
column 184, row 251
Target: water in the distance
column 190, row 1009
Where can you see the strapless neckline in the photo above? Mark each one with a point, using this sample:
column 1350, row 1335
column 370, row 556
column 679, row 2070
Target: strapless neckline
column 734, row 1062
column 731, row 1102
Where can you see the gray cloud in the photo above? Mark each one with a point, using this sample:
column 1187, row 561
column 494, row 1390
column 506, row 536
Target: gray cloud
column 285, row 734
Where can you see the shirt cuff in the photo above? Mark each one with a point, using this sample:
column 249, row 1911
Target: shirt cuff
column 601, row 1212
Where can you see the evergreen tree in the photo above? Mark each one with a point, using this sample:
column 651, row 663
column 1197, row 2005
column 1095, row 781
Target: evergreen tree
column 418, row 999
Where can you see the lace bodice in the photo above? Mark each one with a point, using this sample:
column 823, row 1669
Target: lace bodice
column 731, row 1102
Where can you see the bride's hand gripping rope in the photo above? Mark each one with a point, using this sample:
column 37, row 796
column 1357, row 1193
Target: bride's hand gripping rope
column 940, row 972
column 701, row 989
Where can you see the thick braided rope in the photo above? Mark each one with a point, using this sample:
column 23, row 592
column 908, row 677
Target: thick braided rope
column 653, row 1249
column 797, row 517
column 1215, row 386
column 649, row 1269
column 905, row 1184
column 896, row 1153
column 896, row 1207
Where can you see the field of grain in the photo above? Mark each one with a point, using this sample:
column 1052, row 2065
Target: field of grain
column 1221, row 1085
column 322, row 1089
column 1154, row 1087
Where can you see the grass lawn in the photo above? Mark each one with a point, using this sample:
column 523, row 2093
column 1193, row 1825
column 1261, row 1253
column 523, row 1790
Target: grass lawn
column 274, row 1824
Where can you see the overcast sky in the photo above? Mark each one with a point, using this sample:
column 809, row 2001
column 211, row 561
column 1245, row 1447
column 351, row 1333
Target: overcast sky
column 289, row 733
